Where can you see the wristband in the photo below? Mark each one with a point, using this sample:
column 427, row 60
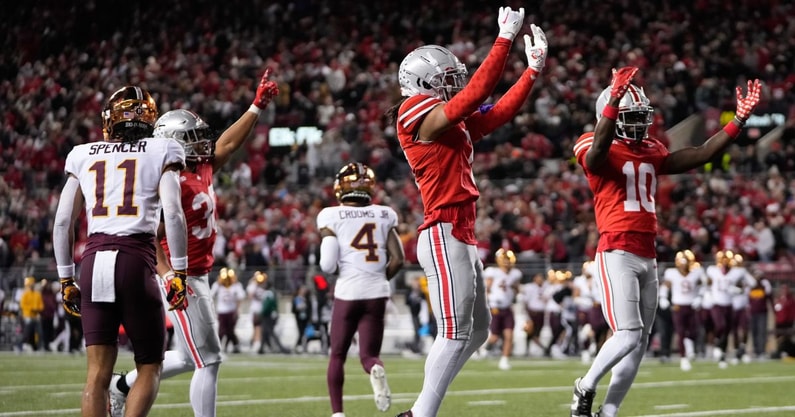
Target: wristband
column 732, row 130
column 179, row 263
column 610, row 112
column 67, row 271
column 254, row 109
column 168, row 275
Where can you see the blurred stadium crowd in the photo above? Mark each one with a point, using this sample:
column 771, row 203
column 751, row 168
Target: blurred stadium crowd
column 336, row 65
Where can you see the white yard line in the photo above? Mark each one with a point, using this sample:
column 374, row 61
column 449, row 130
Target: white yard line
column 496, row 391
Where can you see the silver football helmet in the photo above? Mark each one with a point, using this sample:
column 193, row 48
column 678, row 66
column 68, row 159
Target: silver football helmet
column 431, row 70
column 635, row 114
column 190, row 130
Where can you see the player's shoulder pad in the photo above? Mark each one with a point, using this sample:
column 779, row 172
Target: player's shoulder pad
column 414, row 109
column 583, row 144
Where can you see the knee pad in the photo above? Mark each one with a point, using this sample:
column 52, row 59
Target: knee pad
column 628, row 339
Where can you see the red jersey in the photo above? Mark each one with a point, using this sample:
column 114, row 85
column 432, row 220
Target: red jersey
column 442, row 168
column 624, row 189
column 198, row 202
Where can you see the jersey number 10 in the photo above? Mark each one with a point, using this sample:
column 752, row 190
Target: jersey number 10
column 641, row 186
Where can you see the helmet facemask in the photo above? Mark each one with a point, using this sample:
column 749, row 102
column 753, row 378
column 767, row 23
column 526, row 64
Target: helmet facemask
column 355, row 182
column 432, row 70
column 633, row 124
column 189, row 130
column 635, row 114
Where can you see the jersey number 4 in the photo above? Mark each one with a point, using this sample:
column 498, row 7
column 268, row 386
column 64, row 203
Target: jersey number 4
column 641, row 186
column 364, row 240
column 126, row 208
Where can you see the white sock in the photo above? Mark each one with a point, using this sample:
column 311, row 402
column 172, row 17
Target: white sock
column 623, row 375
column 689, row 348
column 441, row 366
column 203, row 390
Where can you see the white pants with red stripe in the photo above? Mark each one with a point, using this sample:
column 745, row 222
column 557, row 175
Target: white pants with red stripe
column 196, row 327
column 629, row 287
column 455, row 282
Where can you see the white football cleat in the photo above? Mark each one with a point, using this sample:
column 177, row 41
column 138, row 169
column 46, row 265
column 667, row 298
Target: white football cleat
column 504, row 365
column 381, row 392
column 117, row 399
column 685, row 365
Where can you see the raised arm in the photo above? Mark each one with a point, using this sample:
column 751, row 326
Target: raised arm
column 509, row 104
column 686, row 159
column 482, row 83
column 234, row 136
column 605, row 130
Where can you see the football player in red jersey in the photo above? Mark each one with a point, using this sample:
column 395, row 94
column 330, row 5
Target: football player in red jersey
column 436, row 125
column 198, row 347
column 621, row 163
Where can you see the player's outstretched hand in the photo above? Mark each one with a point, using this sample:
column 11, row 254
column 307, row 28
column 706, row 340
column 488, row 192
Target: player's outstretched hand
column 266, row 90
column 622, row 78
column 747, row 104
column 536, row 48
column 510, row 22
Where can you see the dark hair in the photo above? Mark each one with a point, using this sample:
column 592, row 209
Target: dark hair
column 391, row 113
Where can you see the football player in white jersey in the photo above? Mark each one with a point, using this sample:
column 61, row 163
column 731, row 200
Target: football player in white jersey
column 724, row 282
column 197, row 347
column 502, row 285
column 740, row 313
column 123, row 181
column 535, row 304
column 683, row 282
column 360, row 243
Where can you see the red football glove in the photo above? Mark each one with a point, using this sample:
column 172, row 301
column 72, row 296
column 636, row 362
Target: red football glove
column 622, row 78
column 177, row 291
column 70, row 293
column 747, row 104
column 266, row 90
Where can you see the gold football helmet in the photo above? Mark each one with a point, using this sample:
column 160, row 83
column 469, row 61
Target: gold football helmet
column 685, row 259
column 505, row 258
column 260, row 277
column 129, row 115
column 355, row 181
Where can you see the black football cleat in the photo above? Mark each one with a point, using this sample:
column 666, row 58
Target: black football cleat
column 582, row 401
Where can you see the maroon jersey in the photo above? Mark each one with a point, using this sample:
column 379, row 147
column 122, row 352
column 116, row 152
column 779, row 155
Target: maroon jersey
column 442, row 168
column 198, row 201
column 624, row 189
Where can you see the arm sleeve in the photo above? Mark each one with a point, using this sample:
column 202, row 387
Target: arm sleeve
column 174, row 218
column 329, row 254
column 489, row 119
column 480, row 85
column 62, row 236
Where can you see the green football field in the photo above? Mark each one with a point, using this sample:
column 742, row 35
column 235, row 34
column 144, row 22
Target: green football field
column 286, row 386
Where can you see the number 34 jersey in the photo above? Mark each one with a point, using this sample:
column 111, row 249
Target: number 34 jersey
column 624, row 189
column 362, row 235
column 120, row 182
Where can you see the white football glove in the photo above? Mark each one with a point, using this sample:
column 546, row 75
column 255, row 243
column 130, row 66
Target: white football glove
column 536, row 48
column 664, row 303
column 510, row 22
